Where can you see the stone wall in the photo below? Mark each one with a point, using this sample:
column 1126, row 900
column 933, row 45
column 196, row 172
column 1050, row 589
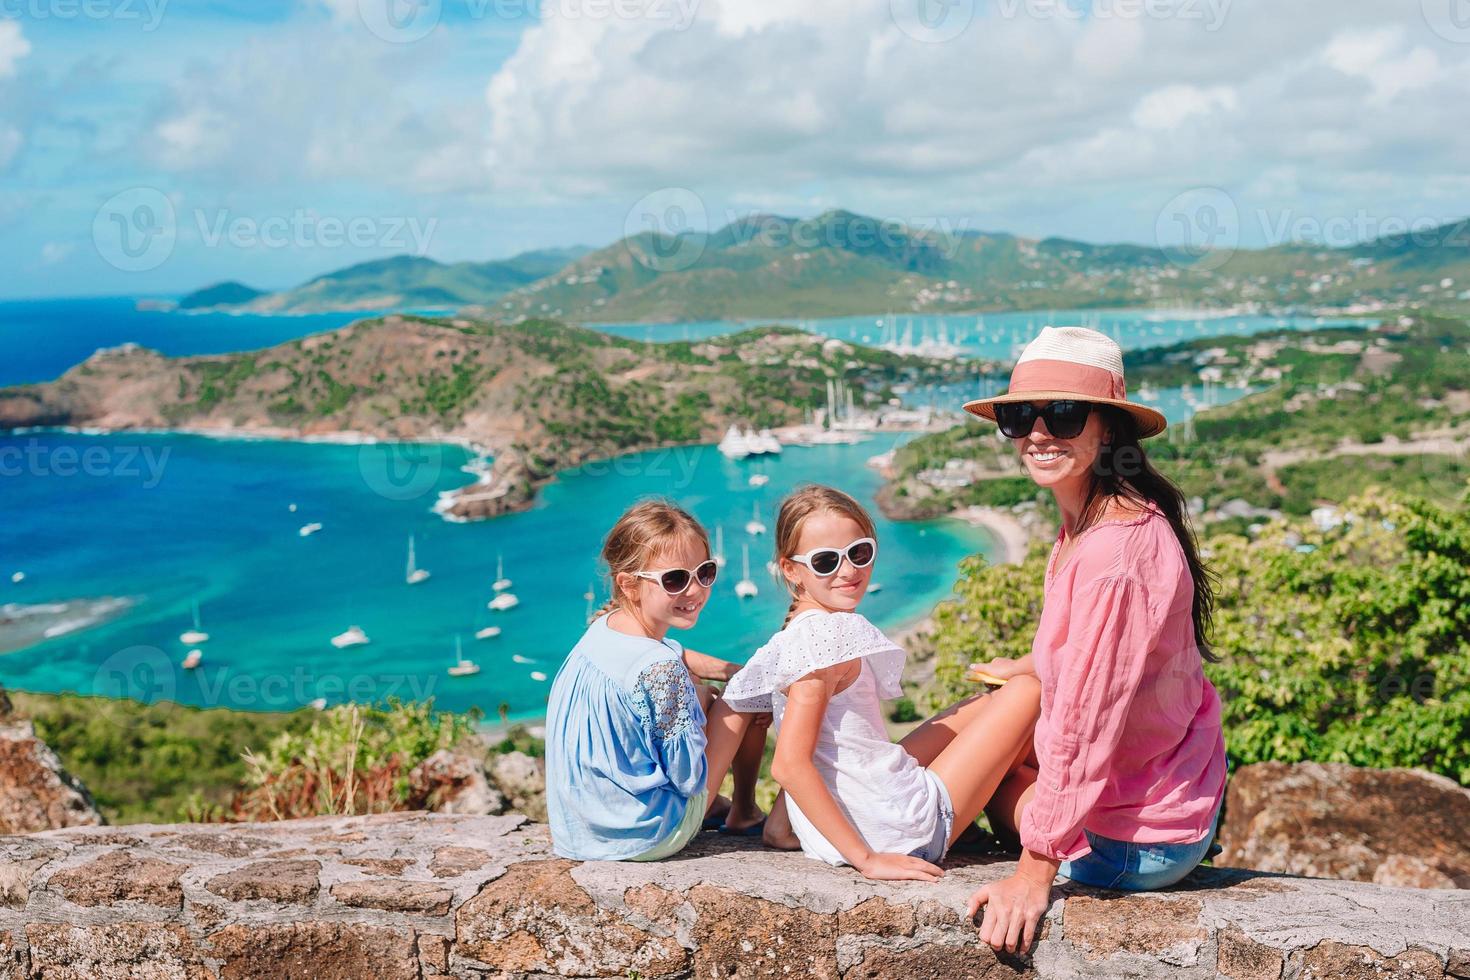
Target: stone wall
column 414, row 895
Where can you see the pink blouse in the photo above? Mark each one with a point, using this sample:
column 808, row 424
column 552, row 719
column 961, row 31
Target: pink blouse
column 1129, row 738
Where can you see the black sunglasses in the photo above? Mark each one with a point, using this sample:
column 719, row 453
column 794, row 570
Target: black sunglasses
column 1064, row 419
column 676, row 580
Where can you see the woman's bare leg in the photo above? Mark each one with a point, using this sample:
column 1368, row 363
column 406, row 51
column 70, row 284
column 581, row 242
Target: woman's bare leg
column 988, row 749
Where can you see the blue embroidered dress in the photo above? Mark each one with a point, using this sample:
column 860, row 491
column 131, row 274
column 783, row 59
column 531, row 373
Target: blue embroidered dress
column 624, row 745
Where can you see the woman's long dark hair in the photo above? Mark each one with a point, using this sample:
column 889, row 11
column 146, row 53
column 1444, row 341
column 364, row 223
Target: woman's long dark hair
column 1122, row 469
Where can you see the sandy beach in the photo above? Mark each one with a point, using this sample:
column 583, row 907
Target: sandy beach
column 1012, row 535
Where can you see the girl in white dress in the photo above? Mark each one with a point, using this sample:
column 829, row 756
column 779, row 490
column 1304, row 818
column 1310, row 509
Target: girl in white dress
column 852, row 796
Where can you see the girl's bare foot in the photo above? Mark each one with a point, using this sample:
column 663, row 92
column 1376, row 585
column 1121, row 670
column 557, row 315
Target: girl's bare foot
column 718, row 810
column 778, row 833
column 743, row 818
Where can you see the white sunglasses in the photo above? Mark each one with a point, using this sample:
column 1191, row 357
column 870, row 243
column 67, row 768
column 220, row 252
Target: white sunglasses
column 676, row 581
column 824, row 562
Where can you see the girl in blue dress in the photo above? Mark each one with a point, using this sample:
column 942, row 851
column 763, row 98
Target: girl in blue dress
column 635, row 751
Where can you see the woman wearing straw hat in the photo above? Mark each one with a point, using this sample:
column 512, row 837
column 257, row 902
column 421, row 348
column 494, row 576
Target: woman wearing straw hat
column 1130, row 752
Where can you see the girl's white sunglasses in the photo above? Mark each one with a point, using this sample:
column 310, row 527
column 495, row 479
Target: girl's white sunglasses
column 826, row 561
column 675, row 581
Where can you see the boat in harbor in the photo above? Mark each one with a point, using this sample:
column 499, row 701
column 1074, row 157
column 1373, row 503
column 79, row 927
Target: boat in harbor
column 193, row 660
column 719, row 555
column 501, row 582
column 195, row 636
column 754, row 525
column 733, row 445
column 488, row 633
column 17, row 577
column 462, row 667
column 414, row 575
column 745, row 588
column 502, row 602
column 307, row 530
column 758, row 480
column 352, row 636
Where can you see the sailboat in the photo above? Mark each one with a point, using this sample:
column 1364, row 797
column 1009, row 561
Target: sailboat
column 501, row 582
column 745, row 588
column 488, row 633
column 307, row 530
column 195, row 636
column 591, row 596
column 758, row 479
column 719, row 554
column 462, row 667
column 352, row 636
column 502, row 602
column 414, row 575
column 194, row 659
column 754, row 525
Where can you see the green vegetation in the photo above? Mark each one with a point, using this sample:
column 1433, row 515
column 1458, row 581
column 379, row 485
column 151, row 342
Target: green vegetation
column 153, row 762
column 1347, row 645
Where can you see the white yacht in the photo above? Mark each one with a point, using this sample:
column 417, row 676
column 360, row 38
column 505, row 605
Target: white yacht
column 353, row 636
column 763, row 443
column 307, row 530
column 874, row 587
column 734, row 445
column 462, row 667
column 194, row 659
column 195, row 636
column 17, row 577
column 291, row 508
column 488, row 633
column 501, row 582
column 754, row 525
column 320, row 704
column 758, row 479
column 502, row 602
column 414, row 575
column 536, row 675
column 519, row 659
column 719, row 555
column 745, row 588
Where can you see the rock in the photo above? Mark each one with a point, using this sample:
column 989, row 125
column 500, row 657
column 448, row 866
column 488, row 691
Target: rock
column 453, row 782
column 289, row 882
column 523, row 780
column 506, row 908
column 122, row 876
column 422, row 897
column 1400, row 827
column 36, row 792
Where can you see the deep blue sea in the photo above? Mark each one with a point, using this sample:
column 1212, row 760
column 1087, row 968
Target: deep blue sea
column 169, row 521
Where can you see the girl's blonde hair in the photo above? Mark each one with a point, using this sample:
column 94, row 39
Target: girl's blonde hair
column 645, row 530
column 796, row 508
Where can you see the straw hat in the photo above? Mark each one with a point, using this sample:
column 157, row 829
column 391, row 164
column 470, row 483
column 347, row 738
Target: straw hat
column 1072, row 363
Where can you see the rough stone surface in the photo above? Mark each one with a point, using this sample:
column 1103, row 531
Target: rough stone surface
column 453, row 782
column 523, row 781
column 386, row 896
column 36, row 792
column 1400, row 827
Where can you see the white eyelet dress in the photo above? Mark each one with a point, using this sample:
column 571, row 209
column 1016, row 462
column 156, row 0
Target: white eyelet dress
column 896, row 804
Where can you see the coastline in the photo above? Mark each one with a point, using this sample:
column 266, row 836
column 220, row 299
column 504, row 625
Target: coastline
column 1012, row 536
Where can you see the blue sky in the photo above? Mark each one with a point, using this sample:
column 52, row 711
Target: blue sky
column 154, row 146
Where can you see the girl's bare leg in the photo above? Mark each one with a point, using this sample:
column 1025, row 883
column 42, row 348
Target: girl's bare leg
column 934, row 735
column 725, row 730
column 778, row 833
column 991, row 743
column 747, row 770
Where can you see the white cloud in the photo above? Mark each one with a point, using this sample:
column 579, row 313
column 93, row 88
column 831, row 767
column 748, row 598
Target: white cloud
column 1018, row 117
column 13, row 47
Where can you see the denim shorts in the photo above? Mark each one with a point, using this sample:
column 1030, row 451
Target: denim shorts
column 934, row 851
column 1128, row 867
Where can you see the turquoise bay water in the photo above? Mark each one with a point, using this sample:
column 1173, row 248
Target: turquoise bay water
column 169, row 520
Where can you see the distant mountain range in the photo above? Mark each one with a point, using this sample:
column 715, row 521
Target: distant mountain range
column 841, row 263
column 404, row 282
